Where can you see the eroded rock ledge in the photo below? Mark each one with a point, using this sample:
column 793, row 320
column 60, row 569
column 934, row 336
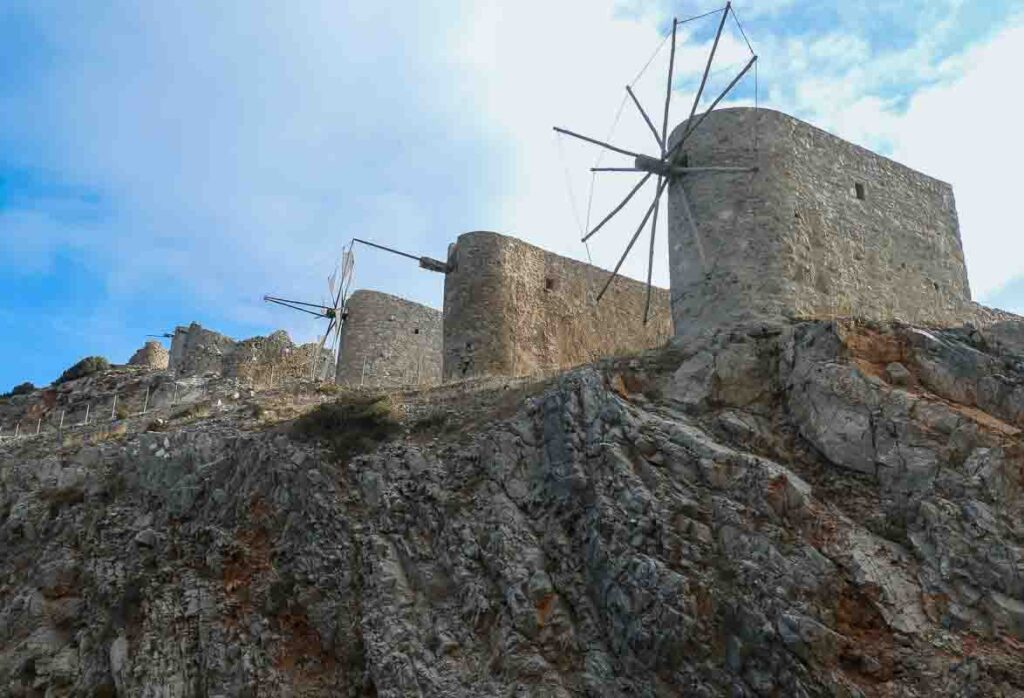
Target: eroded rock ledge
column 804, row 509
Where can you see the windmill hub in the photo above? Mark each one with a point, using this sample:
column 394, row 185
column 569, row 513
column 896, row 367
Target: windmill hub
column 662, row 168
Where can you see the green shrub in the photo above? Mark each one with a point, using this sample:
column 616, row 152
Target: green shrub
column 23, row 389
column 85, row 367
column 436, row 423
column 351, row 426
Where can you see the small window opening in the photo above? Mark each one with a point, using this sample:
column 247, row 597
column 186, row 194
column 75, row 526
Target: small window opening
column 550, row 284
column 860, row 190
column 416, row 330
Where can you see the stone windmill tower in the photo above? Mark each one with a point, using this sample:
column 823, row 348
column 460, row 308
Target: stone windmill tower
column 671, row 166
column 770, row 217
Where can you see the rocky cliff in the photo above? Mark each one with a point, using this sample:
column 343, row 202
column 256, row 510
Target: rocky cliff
column 810, row 509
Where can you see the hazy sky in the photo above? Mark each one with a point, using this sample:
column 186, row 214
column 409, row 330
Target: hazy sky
column 163, row 162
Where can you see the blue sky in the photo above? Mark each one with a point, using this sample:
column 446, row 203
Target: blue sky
column 168, row 162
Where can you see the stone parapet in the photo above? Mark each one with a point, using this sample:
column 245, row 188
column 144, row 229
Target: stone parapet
column 388, row 341
column 822, row 228
column 514, row 309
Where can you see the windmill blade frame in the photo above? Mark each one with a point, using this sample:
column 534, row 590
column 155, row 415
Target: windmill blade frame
column 665, row 167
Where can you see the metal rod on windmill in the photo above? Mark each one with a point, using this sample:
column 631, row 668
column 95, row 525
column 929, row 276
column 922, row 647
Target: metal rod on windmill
column 428, row 263
column 667, row 169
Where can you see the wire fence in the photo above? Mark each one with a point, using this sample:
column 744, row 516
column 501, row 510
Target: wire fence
column 103, row 412
column 122, row 407
column 125, row 406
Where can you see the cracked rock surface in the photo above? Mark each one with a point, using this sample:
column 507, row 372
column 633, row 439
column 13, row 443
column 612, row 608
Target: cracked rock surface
column 812, row 509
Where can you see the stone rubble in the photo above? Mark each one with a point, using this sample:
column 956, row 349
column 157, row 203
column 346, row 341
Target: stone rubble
column 805, row 509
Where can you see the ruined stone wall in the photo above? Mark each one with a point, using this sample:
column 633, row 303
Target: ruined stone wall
column 515, row 309
column 388, row 341
column 258, row 360
column 196, row 350
column 151, row 355
column 823, row 228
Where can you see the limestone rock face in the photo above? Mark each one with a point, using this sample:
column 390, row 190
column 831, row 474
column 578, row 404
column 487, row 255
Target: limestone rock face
column 151, row 355
column 772, row 510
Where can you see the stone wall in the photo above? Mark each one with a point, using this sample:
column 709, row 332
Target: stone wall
column 515, row 309
column 258, row 360
column 823, row 228
column 389, row 341
column 196, row 350
column 151, row 355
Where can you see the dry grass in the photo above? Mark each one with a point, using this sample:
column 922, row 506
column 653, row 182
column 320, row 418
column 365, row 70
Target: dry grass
column 350, row 426
column 115, row 432
column 190, row 413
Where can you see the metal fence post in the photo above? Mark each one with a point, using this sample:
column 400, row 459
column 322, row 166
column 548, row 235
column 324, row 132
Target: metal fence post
column 86, row 422
column 113, row 408
column 39, row 423
column 61, row 426
column 145, row 402
column 17, row 429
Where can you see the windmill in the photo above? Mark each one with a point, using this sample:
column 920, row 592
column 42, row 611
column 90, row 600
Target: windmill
column 668, row 166
column 338, row 290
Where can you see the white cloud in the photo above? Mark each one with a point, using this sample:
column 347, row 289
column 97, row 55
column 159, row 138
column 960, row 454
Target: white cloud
column 238, row 144
column 967, row 132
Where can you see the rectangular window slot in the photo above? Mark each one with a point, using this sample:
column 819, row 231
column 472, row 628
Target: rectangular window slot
column 859, row 188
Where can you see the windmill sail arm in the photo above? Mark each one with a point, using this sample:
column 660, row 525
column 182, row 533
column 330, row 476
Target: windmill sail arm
column 643, row 223
column 647, row 119
column 711, row 58
column 281, row 301
column 726, row 91
column 619, row 207
column 588, row 139
column 650, row 256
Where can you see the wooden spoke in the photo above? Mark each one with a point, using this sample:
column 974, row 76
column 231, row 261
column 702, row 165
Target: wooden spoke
column 609, row 146
column 650, row 256
column 619, row 207
column 711, row 58
column 668, row 90
column 690, row 129
column 647, row 119
column 693, row 225
column 640, row 228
